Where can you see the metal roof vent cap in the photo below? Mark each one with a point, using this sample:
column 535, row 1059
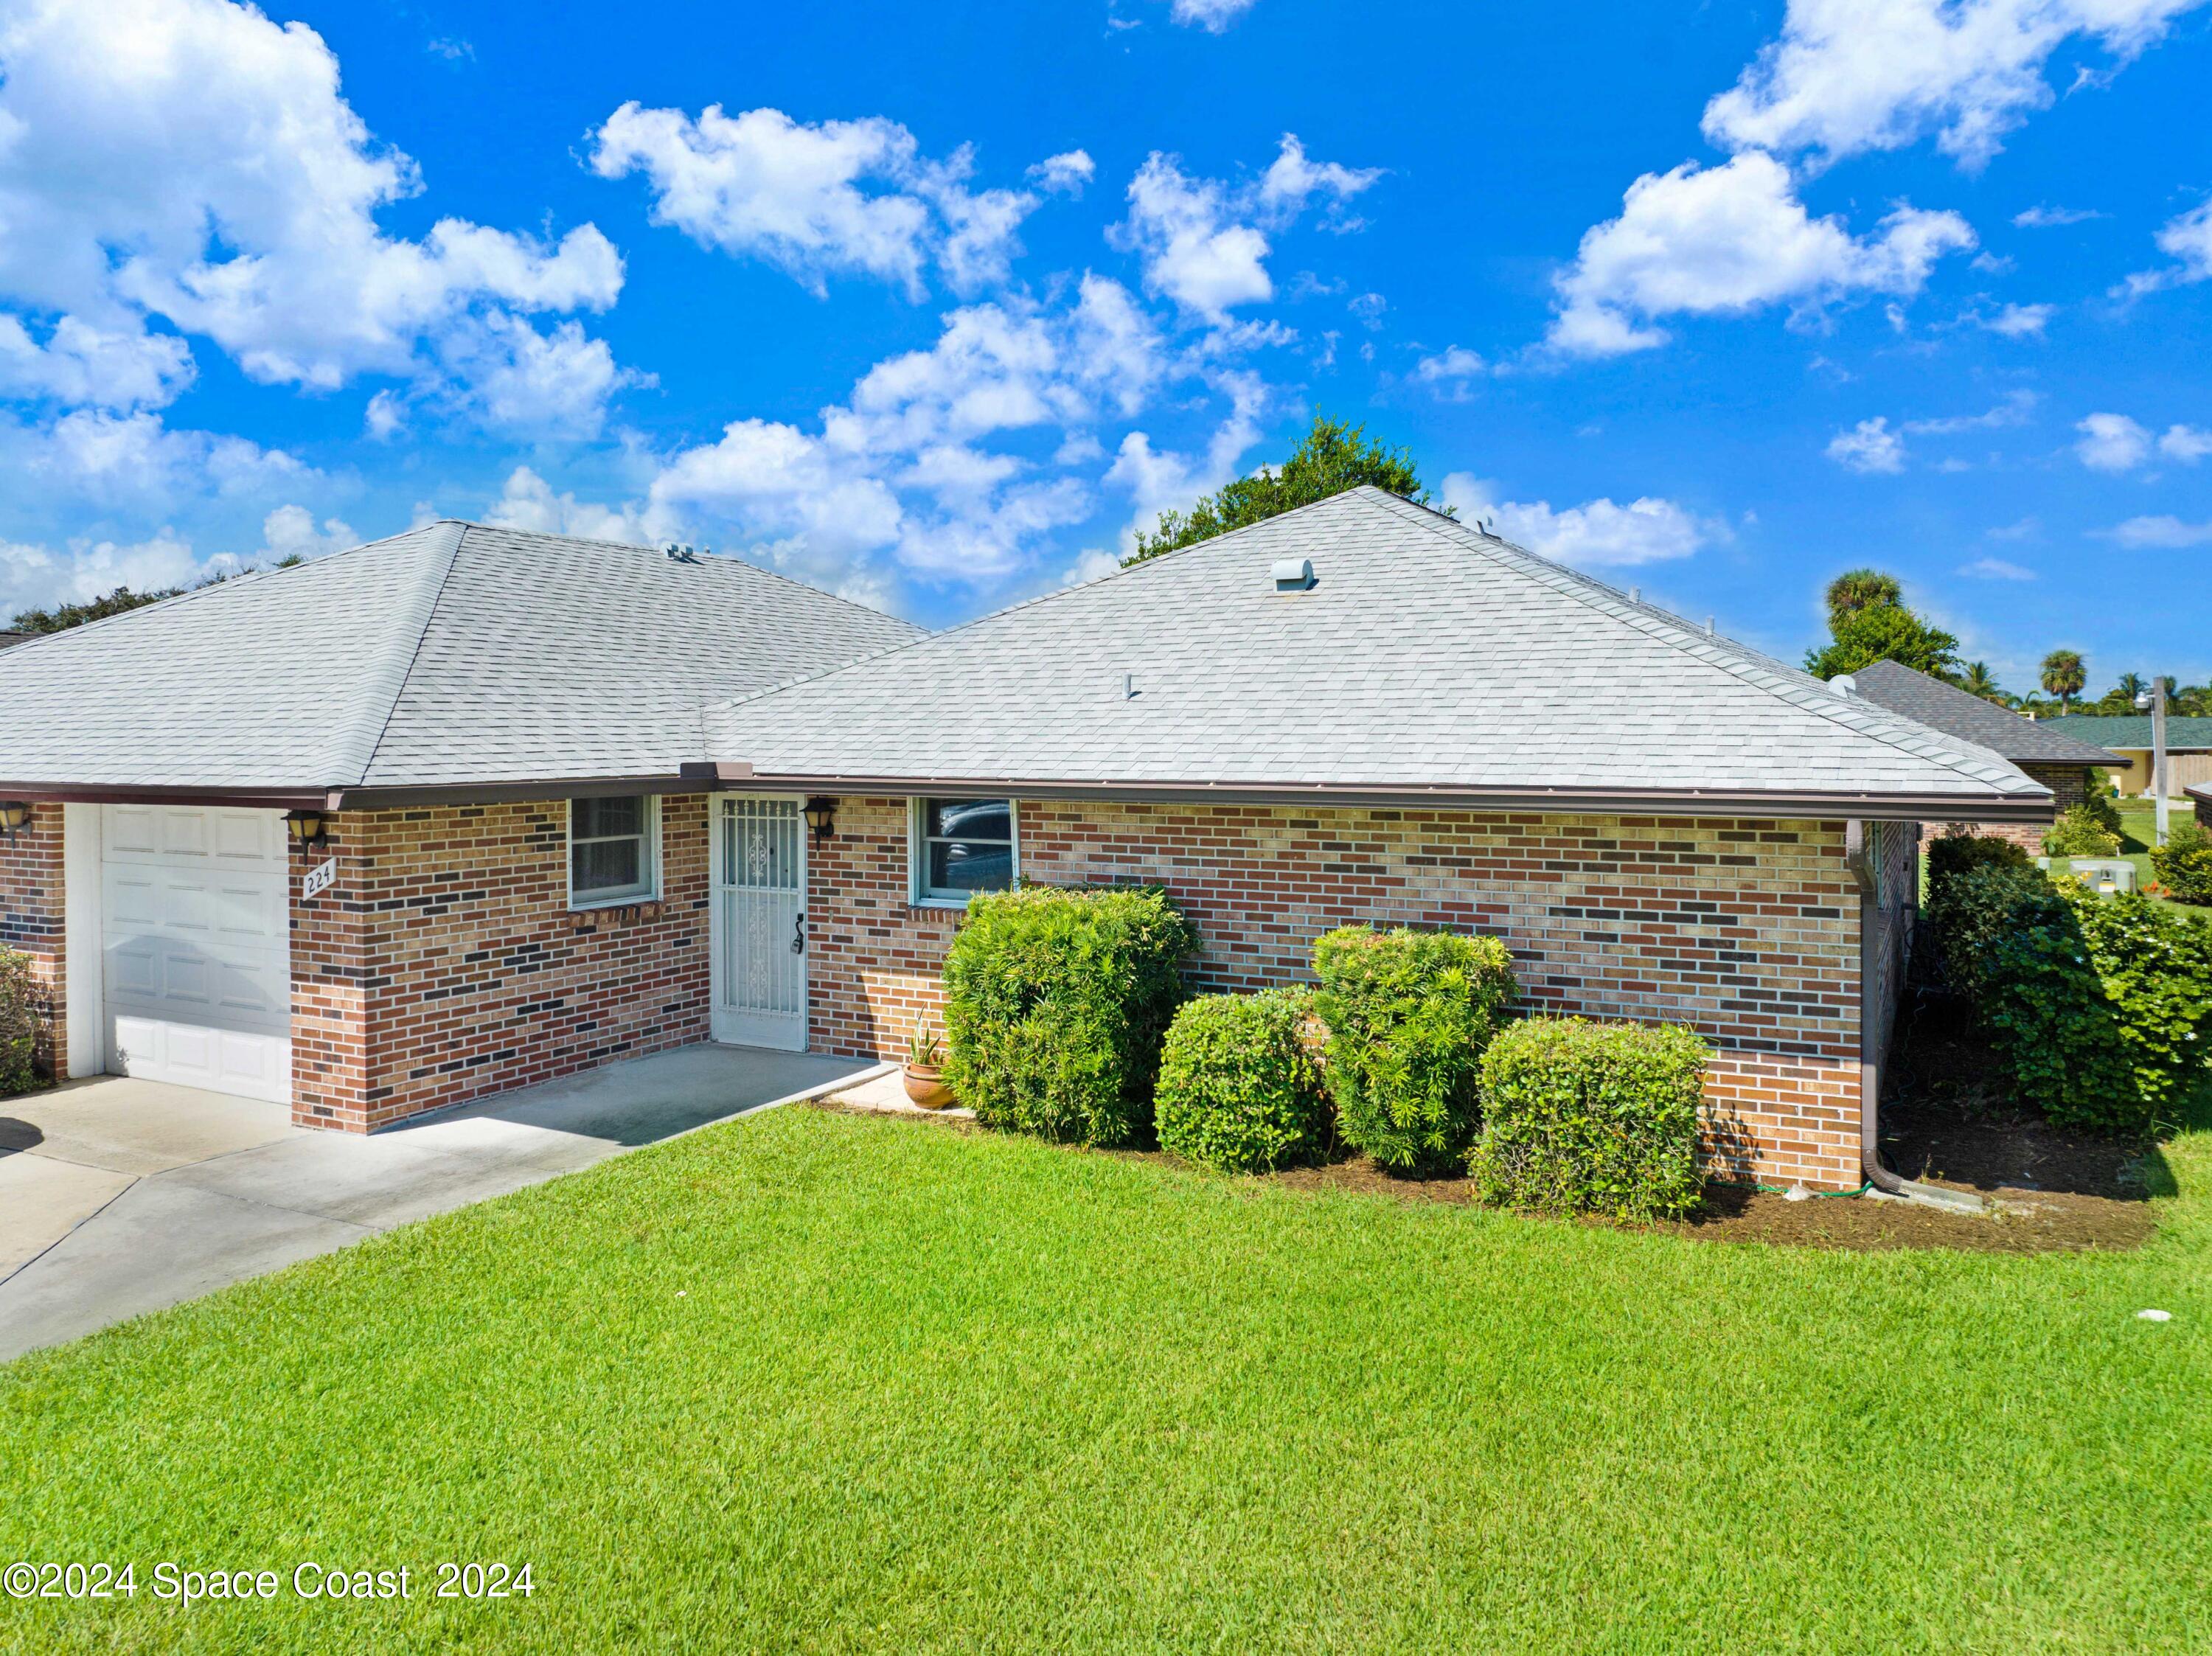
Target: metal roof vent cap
column 1293, row 574
column 1844, row 684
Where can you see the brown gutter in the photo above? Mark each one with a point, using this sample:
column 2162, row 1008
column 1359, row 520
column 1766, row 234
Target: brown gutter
column 104, row 793
column 1610, row 801
column 331, row 799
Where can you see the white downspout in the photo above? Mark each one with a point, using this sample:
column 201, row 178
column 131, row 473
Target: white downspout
column 1859, row 856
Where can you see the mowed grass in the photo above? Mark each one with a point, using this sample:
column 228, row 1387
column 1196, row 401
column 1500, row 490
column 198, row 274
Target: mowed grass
column 811, row 1381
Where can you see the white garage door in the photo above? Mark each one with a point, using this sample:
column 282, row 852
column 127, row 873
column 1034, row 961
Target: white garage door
column 196, row 947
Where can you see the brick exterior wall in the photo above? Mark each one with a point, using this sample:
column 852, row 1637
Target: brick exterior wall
column 445, row 963
column 2070, row 785
column 32, row 922
column 1747, row 930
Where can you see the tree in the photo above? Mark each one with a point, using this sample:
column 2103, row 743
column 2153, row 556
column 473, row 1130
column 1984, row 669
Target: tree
column 2064, row 676
column 1884, row 632
column 2131, row 686
column 63, row 616
column 1861, row 589
column 1334, row 457
column 1977, row 680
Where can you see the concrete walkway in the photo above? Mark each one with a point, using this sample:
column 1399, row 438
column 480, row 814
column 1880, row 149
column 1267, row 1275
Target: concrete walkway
column 119, row 1196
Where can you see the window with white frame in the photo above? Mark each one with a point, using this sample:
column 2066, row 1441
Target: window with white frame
column 960, row 848
column 614, row 850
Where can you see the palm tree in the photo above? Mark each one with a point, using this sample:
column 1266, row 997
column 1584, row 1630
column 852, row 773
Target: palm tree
column 2130, row 687
column 1861, row 589
column 1977, row 680
column 2064, row 676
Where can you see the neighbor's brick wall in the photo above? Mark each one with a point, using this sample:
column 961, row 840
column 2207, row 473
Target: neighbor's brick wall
column 32, row 921
column 445, row 963
column 1747, row 930
column 2070, row 785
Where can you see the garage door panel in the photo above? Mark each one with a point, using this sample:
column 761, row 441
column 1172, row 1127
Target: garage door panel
column 197, row 947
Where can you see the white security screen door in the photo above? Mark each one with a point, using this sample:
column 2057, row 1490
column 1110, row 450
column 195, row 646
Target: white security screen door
column 196, row 947
column 759, row 922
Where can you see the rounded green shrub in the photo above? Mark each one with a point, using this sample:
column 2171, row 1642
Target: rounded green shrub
column 1591, row 1118
column 1955, row 854
column 21, row 1001
column 1408, row 1014
column 1055, row 1004
column 2078, row 832
column 1239, row 1089
column 2183, row 863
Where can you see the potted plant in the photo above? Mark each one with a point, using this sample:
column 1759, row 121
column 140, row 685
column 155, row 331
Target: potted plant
column 925, row 1069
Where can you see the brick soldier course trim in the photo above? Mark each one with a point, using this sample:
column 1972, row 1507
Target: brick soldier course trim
column 1746, row 928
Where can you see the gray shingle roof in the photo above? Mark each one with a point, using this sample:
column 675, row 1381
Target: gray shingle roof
column 452, row 656
column 1946, row 707
column 1429, row 658
column 2133, row 731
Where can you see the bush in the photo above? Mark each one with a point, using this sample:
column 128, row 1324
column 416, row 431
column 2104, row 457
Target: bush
column 1409, row 1014
column 2078, row 832
column 20, row 1002
column 2183, row 863
column 1591, row 1118
column 1971, row 900
column 1955, row 854
column 2101, row 805
column 1239, row 1089
column 1055, row 1003
column 2099, row 1007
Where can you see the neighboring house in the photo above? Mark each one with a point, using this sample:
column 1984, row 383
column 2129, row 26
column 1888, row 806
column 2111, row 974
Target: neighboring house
column 568, row 821
column 2070, row 767
column 7, row 640
column 2188, row 748
column 2202, row 798
column 487, row 727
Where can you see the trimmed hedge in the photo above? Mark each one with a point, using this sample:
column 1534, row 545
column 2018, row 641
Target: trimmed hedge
column 2099, row 1007
column 21, row 998
column 2183, row 863
column 1409, row 1014
column 1055, row 1004
column 1591, row 1118
column 1239, row 1089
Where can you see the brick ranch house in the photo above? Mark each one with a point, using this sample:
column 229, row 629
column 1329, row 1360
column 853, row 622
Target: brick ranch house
column 564, row 819
column 2071, row 769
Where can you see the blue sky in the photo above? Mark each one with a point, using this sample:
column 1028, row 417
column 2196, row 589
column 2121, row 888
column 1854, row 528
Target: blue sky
column 931, row 305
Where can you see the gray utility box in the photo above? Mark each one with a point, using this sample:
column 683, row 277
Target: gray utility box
column 2097, row 873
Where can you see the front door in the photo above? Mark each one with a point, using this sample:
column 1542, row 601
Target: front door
column 759, row 922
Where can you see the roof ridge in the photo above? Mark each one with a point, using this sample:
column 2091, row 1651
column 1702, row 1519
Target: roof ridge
column 1753, row 666
column 371, row 724
column 1031, row 603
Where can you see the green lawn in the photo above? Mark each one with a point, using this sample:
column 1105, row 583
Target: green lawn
column 820, row 1382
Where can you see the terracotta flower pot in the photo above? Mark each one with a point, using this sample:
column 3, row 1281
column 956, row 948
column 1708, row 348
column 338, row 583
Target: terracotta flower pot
column 926, row 1087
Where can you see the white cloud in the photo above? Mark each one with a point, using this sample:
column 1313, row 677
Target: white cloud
column 821, row 199
column 1204, row 242
column 81, row 366
column 2112, row 442
column 289, row 532
column 1164, row 481
column 528, row 501
column 1597, row 533
column 386, row 416
column 1211, row 15
column 1996, row 569
column 2019, row 321
column 1870, row 447
column 2052, row 218
column 1064, row 174
column 2187, row 444
column 92, row 461
column 2018, row 407
column 193, row 161
column 1448, row 371
column 35, row 576
column 2162, row 532
column 1728, row 239
column 1849, row 75
column 2188, row 240
column 522, row 383
column 1367, row 309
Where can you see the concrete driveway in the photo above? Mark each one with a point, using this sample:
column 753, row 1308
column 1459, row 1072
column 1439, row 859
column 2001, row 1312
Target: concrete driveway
column 118, row 1197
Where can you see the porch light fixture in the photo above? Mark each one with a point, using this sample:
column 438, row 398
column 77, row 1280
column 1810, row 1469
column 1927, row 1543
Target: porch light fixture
column 308, row 829
column 822, row 817
column 14, row 813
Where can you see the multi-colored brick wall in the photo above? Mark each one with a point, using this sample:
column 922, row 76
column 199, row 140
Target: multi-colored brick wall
column 1747, row 930
column 445, row 962
column 32, row 922
column 2070, row 785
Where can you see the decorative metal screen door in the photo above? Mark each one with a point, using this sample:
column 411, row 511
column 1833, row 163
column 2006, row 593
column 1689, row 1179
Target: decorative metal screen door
column 759, row 928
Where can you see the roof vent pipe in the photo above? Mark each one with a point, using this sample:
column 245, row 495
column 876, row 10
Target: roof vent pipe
column 1293, row 574
column 1709, row 626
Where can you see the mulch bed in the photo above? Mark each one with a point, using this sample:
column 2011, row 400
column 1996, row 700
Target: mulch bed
column 1947, row 1121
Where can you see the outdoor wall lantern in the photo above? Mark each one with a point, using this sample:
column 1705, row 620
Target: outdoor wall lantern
column 822, row 817
column 308, row 830
column 14, row 813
